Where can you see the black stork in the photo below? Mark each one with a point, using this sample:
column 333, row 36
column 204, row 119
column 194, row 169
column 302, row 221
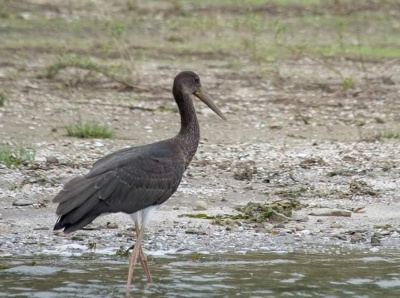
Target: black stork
column 137, row 180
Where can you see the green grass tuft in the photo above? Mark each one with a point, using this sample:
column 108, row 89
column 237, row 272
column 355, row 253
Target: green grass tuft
column 3, row 97
column 66, row 61
column 348, row 82
column 389, row 134
column 15, row 157
column 89, row 130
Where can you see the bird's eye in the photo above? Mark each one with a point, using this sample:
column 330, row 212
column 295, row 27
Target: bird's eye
column 197, row 80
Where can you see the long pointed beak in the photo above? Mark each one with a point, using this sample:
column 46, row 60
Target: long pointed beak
column 204, row 97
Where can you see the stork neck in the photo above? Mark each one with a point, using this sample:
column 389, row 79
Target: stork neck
column 189, row 134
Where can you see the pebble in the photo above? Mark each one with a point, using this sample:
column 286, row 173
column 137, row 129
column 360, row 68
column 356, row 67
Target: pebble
column 336, row 225
column 374, row 249
column 52, row 159
column 26, row 186
column 111, row 225
column 1, row 216
column 300, row 217
column 77, row 238
column 23, row 202
column 375, row 241
column 333, row 212
column 196, row 232
column 98, row 144
column 63, row 161
column 299, row 227
column 305, row 232
column 200, row 205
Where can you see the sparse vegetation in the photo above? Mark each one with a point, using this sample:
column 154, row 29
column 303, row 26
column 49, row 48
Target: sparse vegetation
column 360, row 187
column 245, row 171
column 117, row 74
column 348, row 83
column 15, row 156
column 277, row 211
column 388, row 134
column 89, row 130
column 3, row 97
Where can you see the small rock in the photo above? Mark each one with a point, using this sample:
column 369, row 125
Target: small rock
column 279, row 226
column 111, row 225
column 359, row 209
column 299, row 227
column 333, row 212
column 376, row 234
column 23, row 202
column 27, row 186
column 196, row 232
column 200, row 205
column 32, row 180
column 63, row 161
column 375, row 241
column 336, row 225
column 1, row 216
column 77, row 238
column 282, row 233
column 98, row 144
column 92, row 227
column 357, row 239
column 383, row 226
column 385, row 232
column 52, row 159
column 300, row 217
column 41, row 228
column 339, row 236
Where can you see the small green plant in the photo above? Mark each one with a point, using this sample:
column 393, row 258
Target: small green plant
column 89, row 64
column 81, row 62
column 122, row 252
column 3, row 97
column 117, row 29
column 15, row 157
column 92, row 245
column 348, row 82
column 389, row 134
column 89, row 130
column 132, row 4
column 4, row 11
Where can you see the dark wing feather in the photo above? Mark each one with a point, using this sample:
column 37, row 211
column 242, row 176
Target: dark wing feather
column 124, row 181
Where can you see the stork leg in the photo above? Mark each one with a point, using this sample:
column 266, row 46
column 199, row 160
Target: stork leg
column 133, row 259
column 142, row 256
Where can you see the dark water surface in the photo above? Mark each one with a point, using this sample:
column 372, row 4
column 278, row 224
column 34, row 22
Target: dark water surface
column 272, row 274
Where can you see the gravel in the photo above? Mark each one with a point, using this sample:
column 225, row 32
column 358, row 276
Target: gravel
column 325, row 221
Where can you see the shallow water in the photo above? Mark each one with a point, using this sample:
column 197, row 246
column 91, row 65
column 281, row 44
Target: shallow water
column 272, row 274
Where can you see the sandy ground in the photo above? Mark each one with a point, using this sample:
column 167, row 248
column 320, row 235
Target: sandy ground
column 296, row 129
